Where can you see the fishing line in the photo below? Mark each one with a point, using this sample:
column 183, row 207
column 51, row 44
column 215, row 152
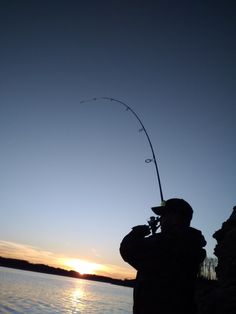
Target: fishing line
column 128, row 108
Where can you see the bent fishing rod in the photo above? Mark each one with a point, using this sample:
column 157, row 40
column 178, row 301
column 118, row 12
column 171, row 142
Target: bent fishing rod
column 153, row 159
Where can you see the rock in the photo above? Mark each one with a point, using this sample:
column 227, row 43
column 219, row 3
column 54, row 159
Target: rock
column 222, row 298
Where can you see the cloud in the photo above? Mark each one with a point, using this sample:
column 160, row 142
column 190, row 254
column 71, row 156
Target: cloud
column 26, row 252
column 95, row 252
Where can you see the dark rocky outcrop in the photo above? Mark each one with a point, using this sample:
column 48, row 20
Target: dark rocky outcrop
column 221, row 299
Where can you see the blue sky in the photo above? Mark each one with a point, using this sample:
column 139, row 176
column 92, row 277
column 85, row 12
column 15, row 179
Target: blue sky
column 73, row 176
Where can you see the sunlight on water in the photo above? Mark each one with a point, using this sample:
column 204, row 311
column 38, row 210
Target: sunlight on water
column 24, row 292
column 77, row 295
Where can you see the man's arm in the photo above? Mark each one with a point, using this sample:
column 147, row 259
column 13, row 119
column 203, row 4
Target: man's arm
column 133, row 245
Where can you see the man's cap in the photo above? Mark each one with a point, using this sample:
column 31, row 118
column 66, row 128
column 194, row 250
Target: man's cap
column 174, row 205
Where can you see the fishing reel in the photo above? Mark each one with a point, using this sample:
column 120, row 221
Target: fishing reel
column 154, row 224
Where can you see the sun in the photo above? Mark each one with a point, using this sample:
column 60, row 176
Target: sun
column 82, row 266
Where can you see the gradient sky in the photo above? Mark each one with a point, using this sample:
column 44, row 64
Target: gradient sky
column 73, row 176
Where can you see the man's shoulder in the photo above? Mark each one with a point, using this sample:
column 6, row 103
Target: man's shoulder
column 194, row 236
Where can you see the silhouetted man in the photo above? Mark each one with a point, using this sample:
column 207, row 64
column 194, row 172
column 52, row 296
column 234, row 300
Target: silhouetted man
column 167, row 263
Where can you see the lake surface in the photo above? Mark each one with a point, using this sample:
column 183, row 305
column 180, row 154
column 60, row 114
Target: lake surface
column 24, row 292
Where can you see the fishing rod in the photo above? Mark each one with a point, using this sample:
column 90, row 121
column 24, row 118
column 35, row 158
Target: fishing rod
column 128, row 108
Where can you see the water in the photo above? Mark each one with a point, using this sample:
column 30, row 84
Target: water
column 24, row 292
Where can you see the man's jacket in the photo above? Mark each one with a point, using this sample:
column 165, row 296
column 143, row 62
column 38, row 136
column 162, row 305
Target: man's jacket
column 167, row 265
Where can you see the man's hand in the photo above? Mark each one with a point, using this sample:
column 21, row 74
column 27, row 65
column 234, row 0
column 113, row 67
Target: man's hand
column 142, row 230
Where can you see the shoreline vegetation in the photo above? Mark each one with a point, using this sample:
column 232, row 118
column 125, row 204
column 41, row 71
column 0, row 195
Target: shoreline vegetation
column 41, row 268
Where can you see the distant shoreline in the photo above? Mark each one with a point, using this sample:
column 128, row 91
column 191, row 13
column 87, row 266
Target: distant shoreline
column 41, row 268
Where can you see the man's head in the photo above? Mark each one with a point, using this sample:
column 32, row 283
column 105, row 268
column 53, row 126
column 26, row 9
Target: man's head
column 174, row 213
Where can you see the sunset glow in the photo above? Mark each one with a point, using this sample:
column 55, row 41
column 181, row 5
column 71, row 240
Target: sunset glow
column 81, row 266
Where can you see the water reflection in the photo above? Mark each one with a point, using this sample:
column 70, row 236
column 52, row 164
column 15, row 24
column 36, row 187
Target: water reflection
column 78, row 296
column 35, row 293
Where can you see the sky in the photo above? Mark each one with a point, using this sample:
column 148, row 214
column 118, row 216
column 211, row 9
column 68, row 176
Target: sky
column 73, row 175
